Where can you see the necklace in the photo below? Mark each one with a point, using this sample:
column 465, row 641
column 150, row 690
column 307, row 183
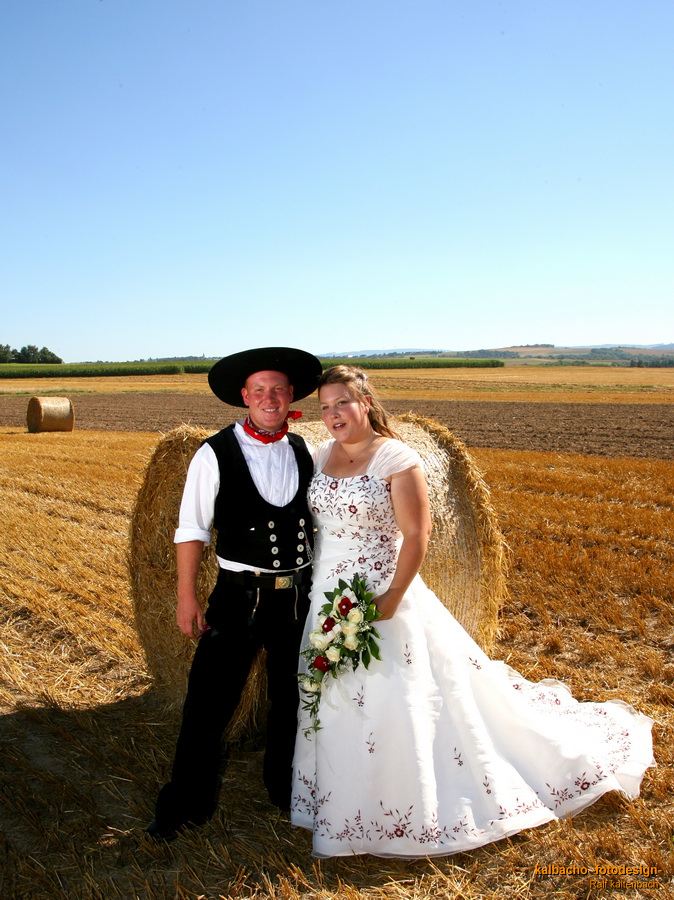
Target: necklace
column 356, row 456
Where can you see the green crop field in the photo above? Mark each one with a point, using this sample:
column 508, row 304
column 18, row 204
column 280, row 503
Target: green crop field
column 192, row 367
column 100, row 369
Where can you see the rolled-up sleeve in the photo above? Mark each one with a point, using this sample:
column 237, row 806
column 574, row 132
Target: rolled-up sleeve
column 198, row 502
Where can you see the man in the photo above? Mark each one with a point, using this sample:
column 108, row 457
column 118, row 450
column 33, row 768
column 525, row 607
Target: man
column 250, row 481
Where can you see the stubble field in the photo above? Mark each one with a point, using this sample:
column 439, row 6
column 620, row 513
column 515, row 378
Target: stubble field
column 85, row 742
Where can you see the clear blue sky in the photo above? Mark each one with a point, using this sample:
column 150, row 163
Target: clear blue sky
column 201, row 177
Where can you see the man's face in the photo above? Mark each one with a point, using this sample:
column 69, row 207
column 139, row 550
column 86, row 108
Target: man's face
column 268, row 396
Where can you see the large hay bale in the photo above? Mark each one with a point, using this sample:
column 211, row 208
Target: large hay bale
column 465, row 565
column 50, row 414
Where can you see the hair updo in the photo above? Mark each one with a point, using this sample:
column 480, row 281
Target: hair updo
column 356, row 382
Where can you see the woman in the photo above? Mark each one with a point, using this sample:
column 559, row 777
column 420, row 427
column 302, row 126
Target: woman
column 434, row 749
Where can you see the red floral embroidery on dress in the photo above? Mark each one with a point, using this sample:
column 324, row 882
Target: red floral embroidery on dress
column 398, row 824
column 358, row 510
column 520, row 809
column 553, row 699
column 308, row 799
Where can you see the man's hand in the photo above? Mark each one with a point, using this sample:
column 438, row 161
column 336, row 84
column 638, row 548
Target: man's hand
column 190, row 616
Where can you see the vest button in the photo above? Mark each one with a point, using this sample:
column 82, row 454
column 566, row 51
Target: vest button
column 300, row 534
column 276, row 564
column 301, row 521
column 271, row 524
column 299, row 561
column 274, row 550
column 272, row 538
column 300, row 547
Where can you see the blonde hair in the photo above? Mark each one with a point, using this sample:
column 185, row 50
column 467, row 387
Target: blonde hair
column 356, row 382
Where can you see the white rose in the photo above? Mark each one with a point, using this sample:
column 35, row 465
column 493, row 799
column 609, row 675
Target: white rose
column 349, row 629
column 351, row 642
column 355, row 615
column 333, row 654
column 318, row 640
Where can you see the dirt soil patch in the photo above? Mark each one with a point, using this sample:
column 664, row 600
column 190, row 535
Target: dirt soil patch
column 605, row 429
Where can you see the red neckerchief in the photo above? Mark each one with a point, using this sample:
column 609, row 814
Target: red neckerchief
column 269, row 437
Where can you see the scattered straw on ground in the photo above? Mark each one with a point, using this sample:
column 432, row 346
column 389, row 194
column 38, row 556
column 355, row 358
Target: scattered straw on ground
column 85, row 742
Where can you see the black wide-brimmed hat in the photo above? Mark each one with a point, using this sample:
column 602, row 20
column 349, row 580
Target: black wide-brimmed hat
column 228, row 375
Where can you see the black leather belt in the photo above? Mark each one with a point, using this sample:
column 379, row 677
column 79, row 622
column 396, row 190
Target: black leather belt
column 266, row 581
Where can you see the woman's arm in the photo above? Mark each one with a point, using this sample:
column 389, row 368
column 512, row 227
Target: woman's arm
column 413, row 516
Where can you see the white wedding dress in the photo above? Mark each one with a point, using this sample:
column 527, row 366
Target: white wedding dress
column 436, row 748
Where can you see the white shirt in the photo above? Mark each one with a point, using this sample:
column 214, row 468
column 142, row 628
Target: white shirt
column 273, row 468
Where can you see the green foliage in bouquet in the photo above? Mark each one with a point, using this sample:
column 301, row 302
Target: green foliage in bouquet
column 345, row 636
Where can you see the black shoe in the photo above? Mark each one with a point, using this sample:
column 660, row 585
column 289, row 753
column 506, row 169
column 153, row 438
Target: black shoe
column 163, row 832
column 159, row 832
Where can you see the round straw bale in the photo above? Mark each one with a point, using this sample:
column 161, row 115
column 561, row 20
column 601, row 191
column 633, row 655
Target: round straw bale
column 50, row 414
column 465, row 565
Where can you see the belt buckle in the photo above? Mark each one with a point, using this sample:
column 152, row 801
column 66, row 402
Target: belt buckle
column 283, row 582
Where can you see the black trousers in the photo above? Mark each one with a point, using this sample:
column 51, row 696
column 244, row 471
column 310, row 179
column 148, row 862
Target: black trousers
column 241, row 622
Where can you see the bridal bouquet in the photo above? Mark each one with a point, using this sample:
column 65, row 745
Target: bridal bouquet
column 345, row 637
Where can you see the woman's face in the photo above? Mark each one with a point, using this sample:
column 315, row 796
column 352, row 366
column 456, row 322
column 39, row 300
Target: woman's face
column 343, row 415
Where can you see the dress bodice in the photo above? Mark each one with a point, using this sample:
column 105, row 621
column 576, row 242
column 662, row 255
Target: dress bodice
column 357, row 526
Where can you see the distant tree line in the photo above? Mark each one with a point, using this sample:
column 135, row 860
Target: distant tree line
column 620, row 355
column 29, row 354
column 652, row 362
column 481, row 354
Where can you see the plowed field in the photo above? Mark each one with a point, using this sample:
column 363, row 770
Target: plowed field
column 606, row 429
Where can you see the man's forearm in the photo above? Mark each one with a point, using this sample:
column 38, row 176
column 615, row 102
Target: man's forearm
column 188, row 560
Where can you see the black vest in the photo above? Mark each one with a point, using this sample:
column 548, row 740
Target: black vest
column 250, row 530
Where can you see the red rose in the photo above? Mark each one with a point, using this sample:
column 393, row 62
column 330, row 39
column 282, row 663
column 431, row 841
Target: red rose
column 344, row 605
column 322, row 663
column 329, row 624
